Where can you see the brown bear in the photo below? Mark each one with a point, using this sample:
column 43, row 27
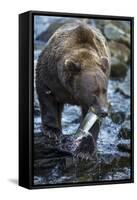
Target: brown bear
column 73, row 68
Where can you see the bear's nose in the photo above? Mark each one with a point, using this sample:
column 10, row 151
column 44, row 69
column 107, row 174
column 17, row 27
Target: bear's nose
column 104, row 112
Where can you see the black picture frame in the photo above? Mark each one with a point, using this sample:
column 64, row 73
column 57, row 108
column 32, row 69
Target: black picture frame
column 26, row 73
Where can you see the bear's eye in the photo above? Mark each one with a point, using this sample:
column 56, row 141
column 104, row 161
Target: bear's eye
column 104, row 91
column 72, row 66
column 96, row 92
column 94, row 99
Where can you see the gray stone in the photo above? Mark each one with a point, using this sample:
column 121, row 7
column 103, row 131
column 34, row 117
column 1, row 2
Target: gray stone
column 124, row 25
column 118, row 117
column 124, row 147
column 119, row 51
column 125, row 132
column 112, row 32
column 124, row 87
column 118, row 68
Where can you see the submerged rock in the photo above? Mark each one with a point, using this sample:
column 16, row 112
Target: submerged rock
column 124, row 87
column 123, row 92
column 124, row 147
column 118, row 117
column 125, row 131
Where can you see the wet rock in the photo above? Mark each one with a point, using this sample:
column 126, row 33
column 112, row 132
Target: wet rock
column 119, row 162
column 124, row 87
column 115, row 159
column 44, row 149
column 119, row 51
column 118, row 117
column 125, row 131
column 128, row 116
column 124, row 173
column 112, row 32
column 125, row 93
column 118, row 69
column 124, row 25
column 124, row 147
column 100, row 24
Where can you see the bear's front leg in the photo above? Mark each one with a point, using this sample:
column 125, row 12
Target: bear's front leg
column 50, row 114
column 87, row 142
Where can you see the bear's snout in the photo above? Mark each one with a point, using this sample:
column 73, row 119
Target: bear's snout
column 104, row 112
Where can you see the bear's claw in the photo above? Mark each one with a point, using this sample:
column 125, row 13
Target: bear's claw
column 52, row 135
column 85, row 147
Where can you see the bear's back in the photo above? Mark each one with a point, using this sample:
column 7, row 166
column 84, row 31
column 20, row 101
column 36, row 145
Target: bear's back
column 71, row 35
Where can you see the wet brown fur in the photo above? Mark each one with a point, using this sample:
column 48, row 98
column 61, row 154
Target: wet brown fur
column 72, row 68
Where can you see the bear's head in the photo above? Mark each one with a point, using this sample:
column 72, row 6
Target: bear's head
column 85, row 75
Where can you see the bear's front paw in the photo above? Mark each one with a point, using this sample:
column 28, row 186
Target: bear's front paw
column 53, row 135
column 85, row 147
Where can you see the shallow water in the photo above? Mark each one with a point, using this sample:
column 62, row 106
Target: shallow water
column 110, row 163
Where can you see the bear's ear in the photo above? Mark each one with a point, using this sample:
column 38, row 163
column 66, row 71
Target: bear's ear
column 104, row 64
column 72, row 65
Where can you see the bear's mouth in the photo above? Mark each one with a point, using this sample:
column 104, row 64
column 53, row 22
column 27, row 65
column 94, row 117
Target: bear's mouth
column 101, row 112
